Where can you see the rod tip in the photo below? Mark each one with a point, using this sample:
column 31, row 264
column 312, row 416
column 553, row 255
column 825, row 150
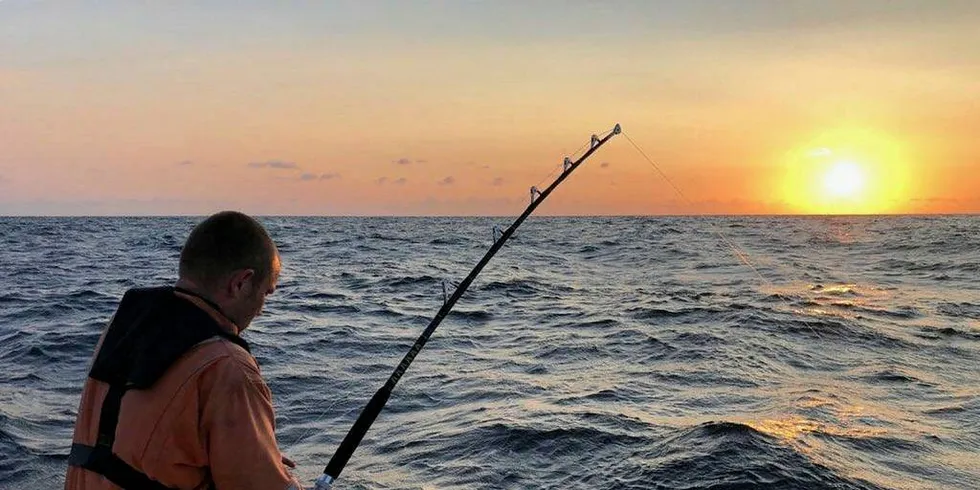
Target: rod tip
column 618, row 129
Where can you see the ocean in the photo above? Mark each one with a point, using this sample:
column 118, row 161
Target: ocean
column 619, row 352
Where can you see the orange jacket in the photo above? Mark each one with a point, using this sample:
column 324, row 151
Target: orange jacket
column 208, row 419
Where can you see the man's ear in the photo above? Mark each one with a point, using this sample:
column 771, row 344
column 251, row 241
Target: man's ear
column 240, row 281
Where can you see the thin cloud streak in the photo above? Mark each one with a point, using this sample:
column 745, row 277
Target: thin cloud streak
column 408, row 161
column 277, row 164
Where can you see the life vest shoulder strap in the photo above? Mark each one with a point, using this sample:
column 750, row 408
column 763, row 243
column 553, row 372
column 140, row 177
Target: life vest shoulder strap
column 101, row 459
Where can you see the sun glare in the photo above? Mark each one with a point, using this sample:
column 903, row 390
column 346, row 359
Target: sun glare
column 847, row 171
column 844, row 179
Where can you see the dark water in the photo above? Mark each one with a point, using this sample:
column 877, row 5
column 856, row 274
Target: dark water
column 592, row 353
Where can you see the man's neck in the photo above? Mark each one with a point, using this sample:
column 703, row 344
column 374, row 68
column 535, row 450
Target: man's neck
column 192, row 287
column 195, row 290
column 187, row 284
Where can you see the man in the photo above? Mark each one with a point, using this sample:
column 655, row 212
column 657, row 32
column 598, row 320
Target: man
column 174, row 399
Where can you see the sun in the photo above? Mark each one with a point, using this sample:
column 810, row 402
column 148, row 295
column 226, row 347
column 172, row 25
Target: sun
column 846, row 171
column 844, row 179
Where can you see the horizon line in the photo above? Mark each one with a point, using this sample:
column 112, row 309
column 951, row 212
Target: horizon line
column 402, row 216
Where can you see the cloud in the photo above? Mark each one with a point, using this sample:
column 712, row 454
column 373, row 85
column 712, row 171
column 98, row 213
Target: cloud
column 498, row 181
column 312, row 176
column 400, row 181
column 448, row 181
column 407, row 161
column 381, row 181
column 604, row 165
column 274, row 164
column 184, row 163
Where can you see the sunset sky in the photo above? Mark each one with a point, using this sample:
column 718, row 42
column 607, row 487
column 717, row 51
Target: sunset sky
column 457, row 108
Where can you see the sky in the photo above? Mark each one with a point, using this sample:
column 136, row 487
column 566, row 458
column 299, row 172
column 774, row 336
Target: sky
column 459, row 107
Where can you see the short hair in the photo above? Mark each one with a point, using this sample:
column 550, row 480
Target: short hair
column 223, row 243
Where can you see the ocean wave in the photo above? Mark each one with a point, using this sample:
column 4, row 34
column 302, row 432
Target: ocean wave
column 733, row 455
column 959, row 310
column 523, row 288
column 893, row 375
column 650, row 313
column 309, row 307
column 946, row 332
column 324, row 296
column 409, row 282
column 472, row 316
column 569, row 352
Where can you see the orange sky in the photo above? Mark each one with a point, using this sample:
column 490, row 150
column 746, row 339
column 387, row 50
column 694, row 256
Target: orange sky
column 458, row 109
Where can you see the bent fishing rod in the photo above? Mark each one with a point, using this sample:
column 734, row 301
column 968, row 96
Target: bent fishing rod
column 380, row 398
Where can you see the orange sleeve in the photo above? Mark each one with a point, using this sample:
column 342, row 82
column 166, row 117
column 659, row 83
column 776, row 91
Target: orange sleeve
column 238, row 424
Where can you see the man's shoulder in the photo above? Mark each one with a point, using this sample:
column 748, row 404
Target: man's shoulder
column 222, row 352
column 215, row 360
column 223, row 367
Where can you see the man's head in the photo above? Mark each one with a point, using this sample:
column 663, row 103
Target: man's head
column 230, row 259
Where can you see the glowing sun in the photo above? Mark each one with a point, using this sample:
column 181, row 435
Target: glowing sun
column 844, row 179
column 848, row 170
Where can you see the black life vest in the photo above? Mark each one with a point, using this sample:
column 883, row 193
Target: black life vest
column 152, row 328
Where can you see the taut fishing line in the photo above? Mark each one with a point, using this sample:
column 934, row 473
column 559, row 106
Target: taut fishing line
column 738, row 251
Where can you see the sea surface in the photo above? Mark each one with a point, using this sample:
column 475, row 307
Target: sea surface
column 666, row 353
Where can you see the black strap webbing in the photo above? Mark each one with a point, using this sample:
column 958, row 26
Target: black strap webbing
column 109, row 417
column 103, row 462
column 100, row 458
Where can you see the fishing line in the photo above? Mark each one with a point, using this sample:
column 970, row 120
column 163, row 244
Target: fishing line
column 734, row 248
column 740, row 253
column 319, row 418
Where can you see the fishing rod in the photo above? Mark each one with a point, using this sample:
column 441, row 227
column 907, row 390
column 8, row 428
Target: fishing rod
column 380, row 398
